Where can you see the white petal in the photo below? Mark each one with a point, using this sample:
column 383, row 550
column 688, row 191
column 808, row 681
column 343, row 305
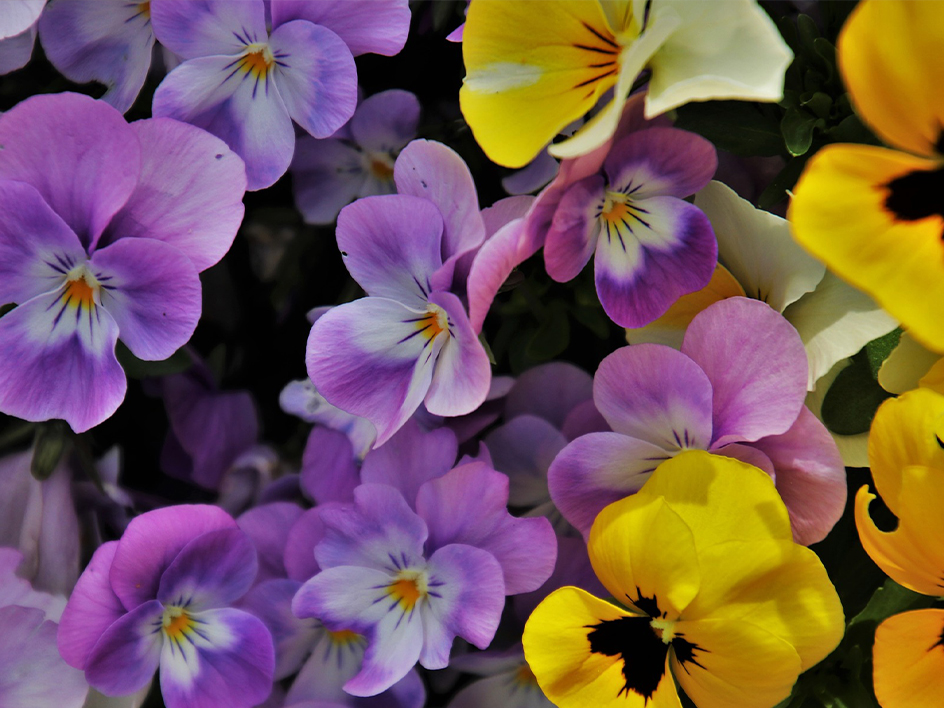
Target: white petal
column 906, row 365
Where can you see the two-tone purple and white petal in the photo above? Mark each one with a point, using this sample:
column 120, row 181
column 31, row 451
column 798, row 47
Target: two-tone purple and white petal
column 736, row 389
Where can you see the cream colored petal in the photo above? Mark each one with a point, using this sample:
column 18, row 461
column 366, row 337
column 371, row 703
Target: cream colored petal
column 853, row 448
column 905, row 366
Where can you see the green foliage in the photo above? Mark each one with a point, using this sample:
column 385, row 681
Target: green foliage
column 50, row 443
column 878, row 350
column 851, row 402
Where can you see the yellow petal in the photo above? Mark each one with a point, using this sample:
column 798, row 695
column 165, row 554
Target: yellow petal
column 640, row 548
column 557, row 648
column 531, row 69
column 743, row 666
column 908, row 660
column 890, row 59
column 778, row 586
column 912, row 554
column 903, row 434
column 720, row 499
column 841, row 215
column 670, row 328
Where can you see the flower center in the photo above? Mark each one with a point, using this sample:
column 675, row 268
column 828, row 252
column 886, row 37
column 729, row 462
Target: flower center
column 344, row 637
column 257, row 60
column 664, row 628
column 525, row 676
column 177, row 623
column 81, row 288
column 408, row 589
column 144, row 8
column 434, row 322
column 381, row 167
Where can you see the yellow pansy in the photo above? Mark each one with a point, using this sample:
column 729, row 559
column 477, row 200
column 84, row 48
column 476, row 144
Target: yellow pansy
column 534, row 66
column 874, row 215
column 712, row 593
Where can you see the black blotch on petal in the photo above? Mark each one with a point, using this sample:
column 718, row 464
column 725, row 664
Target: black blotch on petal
column 685, row 651
column 636, row 643
column 916, row 195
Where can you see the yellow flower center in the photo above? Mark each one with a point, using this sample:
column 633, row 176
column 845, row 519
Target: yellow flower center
column 434, row 322
column 343, row 637
column 81, row 288
column 664, row 629
column 177, row 623
column 381, row 167
column 257, row 60
column 408, row 589
column 525, row 676
column 145, row 9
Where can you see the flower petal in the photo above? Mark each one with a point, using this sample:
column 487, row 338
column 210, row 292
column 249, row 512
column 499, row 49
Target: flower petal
column 328, row 470
column 492, row 265
column 19, row 16
column 326, row 176
column 211, row 27
column 16, row 51
column 268, row 526
column 524, row 448
column 126, row 656
column 575, row 229
column 86, row 179
column 549, row 391
column 303, row 537
column 386, row 121
column 906, row 365
column 189, row 194
column 375, row 26
column 907, row 659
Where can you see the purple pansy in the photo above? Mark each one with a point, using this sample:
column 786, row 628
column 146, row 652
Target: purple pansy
column 358, row 160
column 246, row 85
column 410, row 341
column 736, row 388
column 506, row 681
column 162, row 597
column 649, row 245
column 410, row 565
column 106, row 228
column 107, row 42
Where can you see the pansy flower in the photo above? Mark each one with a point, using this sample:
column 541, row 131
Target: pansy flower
column 357, row 161
column 161, row 597
column 874, row 214
column 709, row 589
column 736, row 389
column 534, row 67
column 106, row 228
column 908, row 470
column 649, row 245
column 18, row 33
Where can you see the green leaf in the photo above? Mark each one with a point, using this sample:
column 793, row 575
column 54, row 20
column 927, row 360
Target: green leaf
column 776, row 191
column 851, row 129
column 49, row 445
column 739, row 127
column 797, row 128
column 176, row 363
column 819, row 103
column 552, row 335
column 488, row 349
column 878, row 349
column 890, row 599
column 851, row 402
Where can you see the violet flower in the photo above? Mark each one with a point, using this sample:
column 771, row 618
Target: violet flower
column 246, row 85
column 357, row 161
column 107, row 42
column 411, row 337
column 162, row 596
column 736, row 389
column 106, row 228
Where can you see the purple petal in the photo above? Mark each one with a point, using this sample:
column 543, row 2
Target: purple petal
column 379, row 530
column 391, row 245
column 549, row 391
column 229, row 663
column 326, row 176
column 334, row 660
column 305, row 534
column 456, row 34
column 18, row 16
column 757, row 366
column 436, row 173
column 328, row 470
column 268, row 527
column 189, row 194
column 57, row 360
column 33, row 265
column 599, row 469
column 469, row 506
column 301, row 398
column 152, row 291
column 575, row 230
column 490, row 268
column 32, row 674
column 87, row 40
column 524, row 448
column 198, row 29
column 468, row 601
column 14, row 589
column 214, row 570
column 365, row 358
column 377, row 26
column 504, row 211
column 92, row 608
column 657, row 394
column 584, row 418
column 749, row 454
column 513, row 688
column 463, row 373
column 271, row 601
column 16, row 51
column 152, row 541
column 316, row 76
column 239, row 106
column 811, row 477
column 537, row 173
column 662, row 161
column 128, row 653
column 85, row 179
column 386, row 121
column 411, row 458
column 644, row 264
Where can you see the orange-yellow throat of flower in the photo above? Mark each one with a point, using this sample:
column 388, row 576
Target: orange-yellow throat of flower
column 177, row 623
column 81, row 289
column 408, row 589
column 257, row 60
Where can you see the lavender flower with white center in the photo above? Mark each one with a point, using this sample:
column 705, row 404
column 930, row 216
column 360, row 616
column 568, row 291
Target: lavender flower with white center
column 358, row 160
column 162, row 597
column 106, row 228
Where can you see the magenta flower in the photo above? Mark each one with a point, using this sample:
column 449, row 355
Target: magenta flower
column 106, row 227
column 107, row 42
column 162, row 597
column 357, row 161
column 246, row 85
column 411, row 338
column 736, row 389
